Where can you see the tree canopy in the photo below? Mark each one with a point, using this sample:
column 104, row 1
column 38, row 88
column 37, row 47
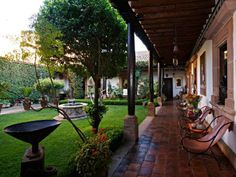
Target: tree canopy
column 93, row 34
column 93, row 37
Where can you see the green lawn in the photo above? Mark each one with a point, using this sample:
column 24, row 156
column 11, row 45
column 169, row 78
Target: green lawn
column 60, row 145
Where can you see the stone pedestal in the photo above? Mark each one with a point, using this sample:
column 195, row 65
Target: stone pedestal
column 33, row 166
column 151, row 109
column 159, row 100
column 131, row 128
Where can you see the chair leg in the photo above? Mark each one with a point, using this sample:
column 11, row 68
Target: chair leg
column 216, row 159
column 191, row 157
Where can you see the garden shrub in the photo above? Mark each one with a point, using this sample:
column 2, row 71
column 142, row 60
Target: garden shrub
column 91, row 113
column 46, row 86
column 143, row 87
column 115, row 137
column 107, row 101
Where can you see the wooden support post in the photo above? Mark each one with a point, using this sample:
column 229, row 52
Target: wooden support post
column 160, row 81
column 151, row 106
column 150, row 73
column 131, row 71
column 130, row 122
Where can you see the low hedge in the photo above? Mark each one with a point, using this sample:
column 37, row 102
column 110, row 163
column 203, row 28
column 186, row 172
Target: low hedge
column 115, row 136
column 111, row 102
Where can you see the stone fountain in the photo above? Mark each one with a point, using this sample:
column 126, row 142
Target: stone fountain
column 73, row 109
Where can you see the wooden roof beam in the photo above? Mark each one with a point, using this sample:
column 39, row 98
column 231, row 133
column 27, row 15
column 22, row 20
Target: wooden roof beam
column 149, row 3
column 174, row 14
column 177, row 20
column 157, row 7
column 130, row 17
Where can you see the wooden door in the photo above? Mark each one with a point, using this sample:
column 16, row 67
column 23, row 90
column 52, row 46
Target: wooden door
column 168, row 88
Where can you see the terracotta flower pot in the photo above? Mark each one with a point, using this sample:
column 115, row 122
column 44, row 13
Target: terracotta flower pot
column 43, row 102
column 26, row 104
column 1, row 107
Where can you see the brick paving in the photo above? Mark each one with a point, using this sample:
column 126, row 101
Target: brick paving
column 158, row 153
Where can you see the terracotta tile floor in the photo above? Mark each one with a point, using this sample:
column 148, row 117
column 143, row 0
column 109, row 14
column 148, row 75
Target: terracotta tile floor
column 158, row 153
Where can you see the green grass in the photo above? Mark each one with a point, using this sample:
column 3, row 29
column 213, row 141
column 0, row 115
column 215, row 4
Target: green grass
column 60, row 145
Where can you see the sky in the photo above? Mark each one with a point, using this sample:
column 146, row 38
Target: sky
column 15, row 16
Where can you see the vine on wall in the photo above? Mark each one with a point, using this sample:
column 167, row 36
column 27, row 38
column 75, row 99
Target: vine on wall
column 19, row 75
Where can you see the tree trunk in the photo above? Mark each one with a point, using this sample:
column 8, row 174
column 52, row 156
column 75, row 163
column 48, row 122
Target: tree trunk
column 97, row 79
column 37, row 76
column 96, row 98
column 53, row 87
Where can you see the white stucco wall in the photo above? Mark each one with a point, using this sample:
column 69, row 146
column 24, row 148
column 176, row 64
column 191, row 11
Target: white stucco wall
column 207, row 48
column 229, row 137
column 114, row 82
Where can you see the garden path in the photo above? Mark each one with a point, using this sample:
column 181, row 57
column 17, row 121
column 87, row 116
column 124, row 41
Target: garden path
column 16, row 109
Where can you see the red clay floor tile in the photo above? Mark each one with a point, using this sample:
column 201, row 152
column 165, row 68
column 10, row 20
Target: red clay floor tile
column 158, row 153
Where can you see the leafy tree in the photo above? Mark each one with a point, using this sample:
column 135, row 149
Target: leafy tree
column 94, row 38
column 49, row 46
column 29, row 49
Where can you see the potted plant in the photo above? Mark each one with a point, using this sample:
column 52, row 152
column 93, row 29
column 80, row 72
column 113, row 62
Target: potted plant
column 93, row 157
column 46, row 87
column 193, row 100
column 26, row 91
column 91, row 111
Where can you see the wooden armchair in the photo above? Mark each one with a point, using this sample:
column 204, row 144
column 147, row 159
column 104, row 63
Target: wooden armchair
column 198, row 146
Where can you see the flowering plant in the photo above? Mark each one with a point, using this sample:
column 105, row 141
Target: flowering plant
column 193, row 100
column 93, row 157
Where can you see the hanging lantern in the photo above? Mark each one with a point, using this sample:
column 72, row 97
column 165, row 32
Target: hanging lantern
column 176, row 48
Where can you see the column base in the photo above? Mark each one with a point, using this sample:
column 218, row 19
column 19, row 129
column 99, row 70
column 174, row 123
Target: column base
column 131, row 128
column 159, row 100
column 33, row 167
column 151, row 109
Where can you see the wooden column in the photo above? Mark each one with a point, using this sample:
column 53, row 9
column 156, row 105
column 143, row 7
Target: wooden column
column 150, row 73
column 131, row 71
column 130, row 122
column 151, row 106
column 159, row 79
column 160, row 73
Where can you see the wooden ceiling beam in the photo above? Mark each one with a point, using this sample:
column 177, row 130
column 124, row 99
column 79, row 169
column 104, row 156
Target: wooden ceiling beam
column 178, row 31
column 149, row 3
column 172, row 25
column 157, row 8
column 177, row 20
column 170, row 41
column 174, row 14
column 130, row 17
column 163, row 47
column 181, row 30
column 166, row 34
column 159, row 22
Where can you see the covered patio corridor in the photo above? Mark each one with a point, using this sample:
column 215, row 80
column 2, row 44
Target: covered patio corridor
column 158, row 153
